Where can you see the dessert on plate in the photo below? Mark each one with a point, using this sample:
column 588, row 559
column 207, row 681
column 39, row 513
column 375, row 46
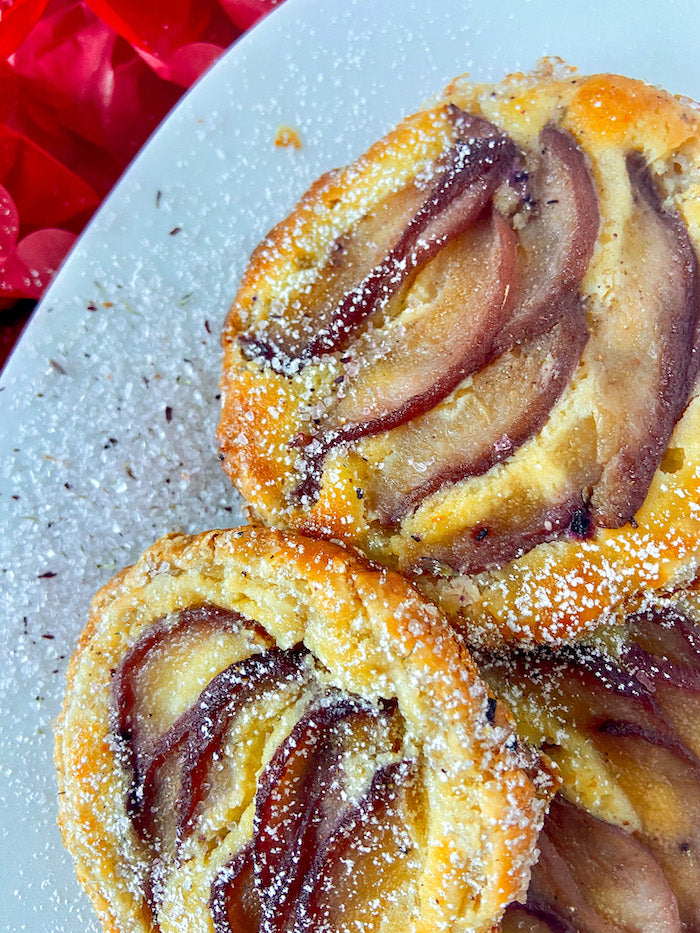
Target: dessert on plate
column 265, row 732
column 620, row 715
column 472, row 354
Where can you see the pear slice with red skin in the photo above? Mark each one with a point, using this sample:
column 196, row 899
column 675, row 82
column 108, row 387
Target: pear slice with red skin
column 664, row 653
column 366, row 858
column 415, row 224
column 300, row 801
column 133, row 721
column 652, row 343
column 630, row 715
column 507, row 403
column 423, row 359
column 663, row 782
column 487, row 300
column 664, row 641
column 367, row 849
column 594, row 877
column 280, row 341
column 219, row 703
column 556, row 240
column 173, row 777
column 506, row 536
column 477, row 164
column 234, row 902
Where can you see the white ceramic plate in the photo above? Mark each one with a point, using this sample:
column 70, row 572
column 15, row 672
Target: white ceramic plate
column 109, row 403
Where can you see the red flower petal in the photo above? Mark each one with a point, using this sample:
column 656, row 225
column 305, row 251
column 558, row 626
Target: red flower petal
column 158, row 28
column 45, row 192
column 185, row 64
column 10, row 84
column 9, row 225
column 81, row 77
column 178, row 41
column 78, row 98
column 12, row 323
column 43, row 252
column 246, row 12
column 36, row 259
column 17, row 17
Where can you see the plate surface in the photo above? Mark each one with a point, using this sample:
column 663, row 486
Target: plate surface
column 109, row 403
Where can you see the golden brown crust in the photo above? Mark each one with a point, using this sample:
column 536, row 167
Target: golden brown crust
column 376, row 638
column 559, row 589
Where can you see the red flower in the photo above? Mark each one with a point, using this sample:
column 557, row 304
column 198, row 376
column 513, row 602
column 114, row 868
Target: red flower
column 82, row 85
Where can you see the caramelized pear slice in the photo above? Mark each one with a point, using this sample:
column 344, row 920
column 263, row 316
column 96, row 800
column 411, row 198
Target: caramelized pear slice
column 593, row 877
column 506, row 403
column 464, row 181
column 423, row 353
column 302, row 797
column 650, row 348
column 234, row 902
column 364, row 871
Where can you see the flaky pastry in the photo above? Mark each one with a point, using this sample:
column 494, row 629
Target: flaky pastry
column 265, row 732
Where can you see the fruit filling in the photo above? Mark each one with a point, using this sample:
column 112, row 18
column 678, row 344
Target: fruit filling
column 329, row 794
column 621, row 720
column 449, row 335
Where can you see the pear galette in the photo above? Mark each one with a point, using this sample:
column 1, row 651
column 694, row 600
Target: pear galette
column 473, row 354
column 264, row 733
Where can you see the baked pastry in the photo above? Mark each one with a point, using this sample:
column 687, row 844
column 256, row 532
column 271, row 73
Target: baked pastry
column 264, row 732
column 620, row 714
column 472, row 354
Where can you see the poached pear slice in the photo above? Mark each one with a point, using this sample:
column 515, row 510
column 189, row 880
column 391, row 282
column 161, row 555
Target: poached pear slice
column 556, row 238
column 402, row 234
column 234, row 902
column 369, row 859
column 480, row 425
column 423, row 353
column 631, row 713
column 649, row 343
column 302, row 798
column 594, row 877
column 173, row 776
column 483, row 294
